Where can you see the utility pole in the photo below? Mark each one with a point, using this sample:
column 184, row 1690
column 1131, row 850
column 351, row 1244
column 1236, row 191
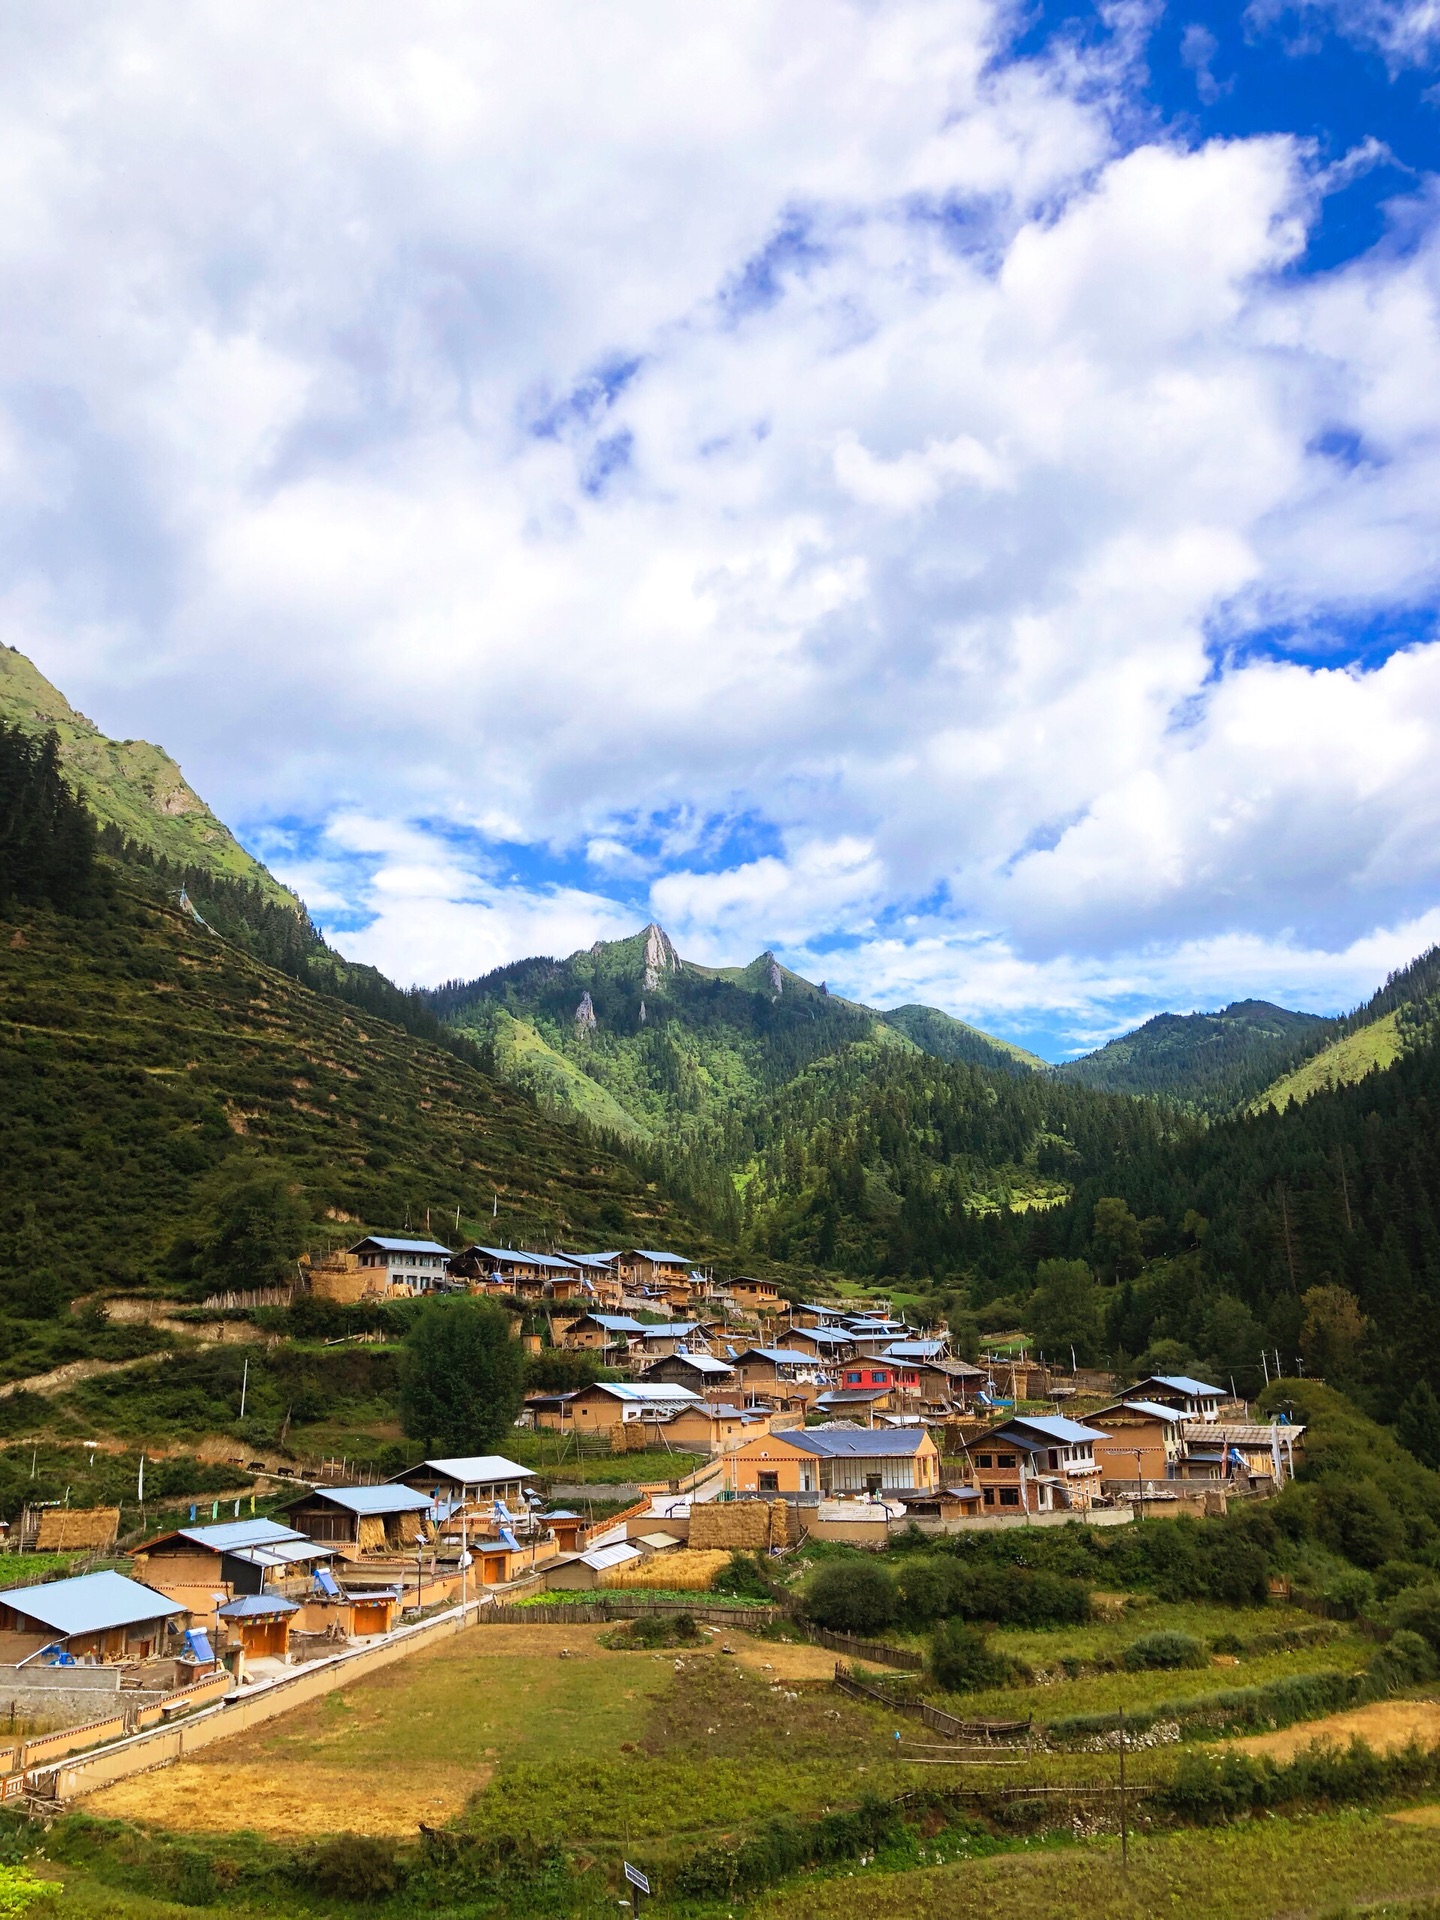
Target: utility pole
column 244, row 1385
column 1124, row 1826
column 1345, row 1190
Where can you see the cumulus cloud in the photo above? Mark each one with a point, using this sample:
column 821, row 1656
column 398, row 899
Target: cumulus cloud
column 809, row 464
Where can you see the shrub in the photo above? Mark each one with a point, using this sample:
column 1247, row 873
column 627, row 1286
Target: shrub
column 1418, row 1611
column 929, row 1589
column 1405, row 1660
column 352, row 1866
column 962, row 1660
column 1164, row 1650
column 1396, row 1575
column 1354, row 1518
column 744, row 1576
column 851, row 1596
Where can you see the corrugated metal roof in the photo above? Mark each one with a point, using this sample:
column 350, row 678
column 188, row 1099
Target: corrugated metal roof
column 371, row 1500
column 647, row 1253
column 914, row 1350
column 228, row 1535
column 670, row 1329
column 614, row 1322
column 1154, row 1410
column 1182, row 1383
column 283, row 1556
column 89, row 1603
column 602, row 1557
column 652, row 1392
column 852, row 1443
column 1054, row 1427
column 522, row 1257
column 387, row 1245
column 704, row 1362
column 476, row 1470
column 782, row 1356
column 257, row 1606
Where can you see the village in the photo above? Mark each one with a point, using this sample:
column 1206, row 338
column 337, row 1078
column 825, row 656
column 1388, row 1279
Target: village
column 816, row 1422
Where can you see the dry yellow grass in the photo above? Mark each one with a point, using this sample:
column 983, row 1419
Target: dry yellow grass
column 287, row 1803
column 683, row 1571
column 1386, row 1725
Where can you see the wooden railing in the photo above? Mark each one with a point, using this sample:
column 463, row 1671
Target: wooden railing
column 876, row 1650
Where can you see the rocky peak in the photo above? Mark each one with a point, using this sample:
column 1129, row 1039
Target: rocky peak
column 659, row 958
column 774, row 976
column 585, row 1015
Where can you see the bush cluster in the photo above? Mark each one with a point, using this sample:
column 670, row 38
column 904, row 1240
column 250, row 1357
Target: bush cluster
column 1164, row 1650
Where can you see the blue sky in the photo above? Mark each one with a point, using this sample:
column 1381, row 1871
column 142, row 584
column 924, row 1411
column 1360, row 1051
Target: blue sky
column 943, row 491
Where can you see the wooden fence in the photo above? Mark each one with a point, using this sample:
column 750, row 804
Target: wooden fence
column 876, row 1650
column 594, row 1612
column 977, row 1742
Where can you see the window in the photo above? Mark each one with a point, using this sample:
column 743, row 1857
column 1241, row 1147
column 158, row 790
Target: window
column 983, row 1460
column 1009, row 1496
column 989, row 1496
column 1004, row 1459
column 768, row 1482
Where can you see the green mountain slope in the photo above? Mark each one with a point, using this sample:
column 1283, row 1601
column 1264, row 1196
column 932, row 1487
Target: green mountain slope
column 130, row 785
column 1210, row 1061
column 630, row 1036
column 1396, row 1018
column 143, row 1058
column 945, row 1038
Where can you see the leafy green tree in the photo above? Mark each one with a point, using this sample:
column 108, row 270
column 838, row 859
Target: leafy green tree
column 1115, row 1240
column 851, row 1596
column 1417, row 1424
column 1354, row 1518
column 256, row 1228
column 1065, row 1310
column 962, row 1661
column 462, row 1377
column 1331, row 1332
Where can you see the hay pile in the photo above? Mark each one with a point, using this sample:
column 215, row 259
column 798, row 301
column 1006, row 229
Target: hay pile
column 683, row 1570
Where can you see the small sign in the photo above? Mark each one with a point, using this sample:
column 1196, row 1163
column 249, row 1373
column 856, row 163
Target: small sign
column 636, row 1878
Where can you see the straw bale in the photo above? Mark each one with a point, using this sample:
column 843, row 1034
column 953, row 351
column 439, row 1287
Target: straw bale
column 372, row 1533
column 740, row 1525
column 63, row 1527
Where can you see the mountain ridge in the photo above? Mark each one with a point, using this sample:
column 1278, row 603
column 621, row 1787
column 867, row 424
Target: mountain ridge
column 131, row 786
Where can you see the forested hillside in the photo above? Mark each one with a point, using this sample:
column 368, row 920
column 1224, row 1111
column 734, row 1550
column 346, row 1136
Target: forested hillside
column 1213, row 1062
column 175, row 1112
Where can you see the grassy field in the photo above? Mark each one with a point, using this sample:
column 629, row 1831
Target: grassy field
column 1316, row 1866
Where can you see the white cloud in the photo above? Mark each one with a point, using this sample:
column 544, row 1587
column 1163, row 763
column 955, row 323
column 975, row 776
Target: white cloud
column 547, row 429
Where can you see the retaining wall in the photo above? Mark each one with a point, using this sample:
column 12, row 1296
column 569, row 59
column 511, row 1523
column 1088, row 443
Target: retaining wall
column 143, row 1752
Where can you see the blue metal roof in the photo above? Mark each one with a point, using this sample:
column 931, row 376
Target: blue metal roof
column 650, row 1391
column 387, row 1245
column 914, row 1350
column 1154, row 1409
column 782, row 1356
column 241, row 1533
column 257, row 1606
column 670, row 1329
column 520, row 1256
column 616, row 1322
column 1182, row 1383
column 89, row 1603
column 647, row 1253
column 371, row 1500
column 703, row 1362
column 866, row 1443
column 1068, row 1433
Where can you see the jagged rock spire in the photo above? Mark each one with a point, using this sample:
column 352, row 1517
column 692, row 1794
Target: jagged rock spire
column 585, row 1015
column 774, row 976
column 660, row 957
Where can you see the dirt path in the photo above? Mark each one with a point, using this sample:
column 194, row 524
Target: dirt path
column 1386, row 1725
column 66, row 1376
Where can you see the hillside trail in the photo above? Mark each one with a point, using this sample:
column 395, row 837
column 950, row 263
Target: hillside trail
column 73, row 1371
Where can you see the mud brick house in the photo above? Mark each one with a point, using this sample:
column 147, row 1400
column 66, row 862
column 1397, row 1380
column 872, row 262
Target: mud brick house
column 96, row 1617
column 361, row 1520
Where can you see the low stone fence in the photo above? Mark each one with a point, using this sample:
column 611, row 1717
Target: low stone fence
column 595, row 1612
